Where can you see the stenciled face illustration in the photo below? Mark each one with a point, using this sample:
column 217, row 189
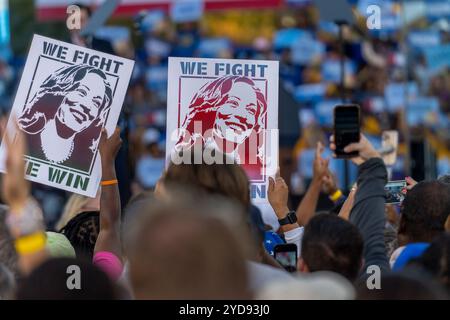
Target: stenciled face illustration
column 236, row 118
column 81, row 106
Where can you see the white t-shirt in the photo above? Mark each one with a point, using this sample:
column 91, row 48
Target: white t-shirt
column 295, row 236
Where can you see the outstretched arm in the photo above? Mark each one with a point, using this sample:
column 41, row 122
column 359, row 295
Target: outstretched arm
column 347, row 206
column 307, row 207
column 278, row 197
column 110, row 211
column 25, row 220
column 367, row 212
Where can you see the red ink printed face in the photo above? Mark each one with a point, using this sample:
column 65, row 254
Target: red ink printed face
column 236, row 118
column 81, row 106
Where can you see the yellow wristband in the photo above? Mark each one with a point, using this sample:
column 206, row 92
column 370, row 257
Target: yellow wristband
column 336, row 195
column 30, row 243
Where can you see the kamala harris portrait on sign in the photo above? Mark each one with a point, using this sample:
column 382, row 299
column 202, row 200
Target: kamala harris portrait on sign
column 63, row 119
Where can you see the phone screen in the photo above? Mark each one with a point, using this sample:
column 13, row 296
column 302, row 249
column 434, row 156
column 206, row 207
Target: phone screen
column 346, row 128
column 395, row 191
column 286, row 255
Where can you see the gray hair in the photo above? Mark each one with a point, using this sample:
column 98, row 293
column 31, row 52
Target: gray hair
column 7, row 283
column 444, row 179
column 8, row 254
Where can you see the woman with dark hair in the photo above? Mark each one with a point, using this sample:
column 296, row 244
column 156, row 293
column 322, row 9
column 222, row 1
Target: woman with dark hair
column 231, row 112
column 63, row 119
column 50, row 281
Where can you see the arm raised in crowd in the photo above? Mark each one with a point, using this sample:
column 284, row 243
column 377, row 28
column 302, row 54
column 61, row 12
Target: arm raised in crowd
column 330, row 188
column 307, row 207
column 278, row 198
column 347, row 206
column 109, row 236
column 25, row 219
column 367, row 211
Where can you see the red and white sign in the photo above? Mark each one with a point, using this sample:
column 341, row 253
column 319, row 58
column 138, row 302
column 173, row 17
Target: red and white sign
column 56, row 9
column 225, row 105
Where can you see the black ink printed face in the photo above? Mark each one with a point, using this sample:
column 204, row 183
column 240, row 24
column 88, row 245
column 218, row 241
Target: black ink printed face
column 81, row 106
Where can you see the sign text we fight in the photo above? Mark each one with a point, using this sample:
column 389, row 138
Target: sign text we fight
column 79, row 56
column 252, row 70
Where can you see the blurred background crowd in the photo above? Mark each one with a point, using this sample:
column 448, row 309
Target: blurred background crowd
column 398, row 74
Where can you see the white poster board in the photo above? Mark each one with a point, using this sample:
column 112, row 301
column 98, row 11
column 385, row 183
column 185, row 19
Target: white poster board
column 226, row 105
column 66, row 95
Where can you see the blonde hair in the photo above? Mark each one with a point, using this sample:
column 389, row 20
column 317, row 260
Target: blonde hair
column 73, row 207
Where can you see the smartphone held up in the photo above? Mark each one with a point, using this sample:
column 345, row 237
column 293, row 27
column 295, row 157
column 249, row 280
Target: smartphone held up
column 395, row 191
column 346, row 128
column 286, row 255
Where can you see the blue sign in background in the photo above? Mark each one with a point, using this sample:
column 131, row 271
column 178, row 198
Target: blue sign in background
column 331, row 70
column 424, row 39
column 310, row 92
column 186, row 10
column 4, row 23
column 5, row 52
column 437, row 57
column 398, row 95
column 436, row 9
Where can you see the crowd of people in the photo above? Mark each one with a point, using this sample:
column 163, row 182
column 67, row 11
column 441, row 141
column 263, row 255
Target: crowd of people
column 198, row 236
column 191, row 231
